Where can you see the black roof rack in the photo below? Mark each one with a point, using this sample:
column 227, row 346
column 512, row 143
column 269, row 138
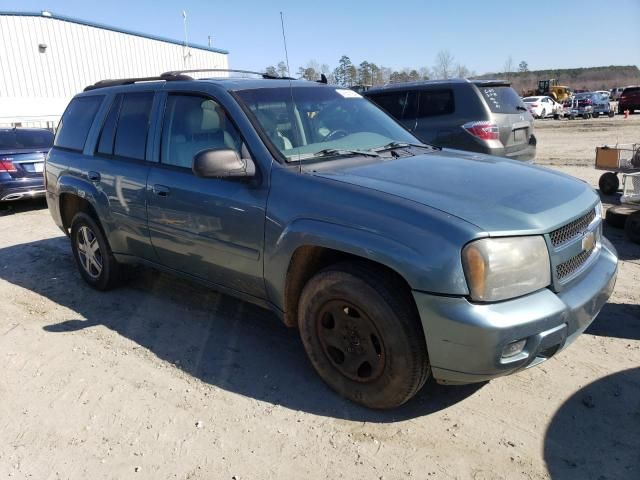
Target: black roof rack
column 195, row 70
column 167, row 77
column 176, row 75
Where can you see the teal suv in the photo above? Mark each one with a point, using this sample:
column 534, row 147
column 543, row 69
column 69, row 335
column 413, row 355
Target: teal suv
column 396, row 260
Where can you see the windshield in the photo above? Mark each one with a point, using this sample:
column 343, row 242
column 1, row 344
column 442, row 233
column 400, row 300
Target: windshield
column 307, row 122
column 36, row 139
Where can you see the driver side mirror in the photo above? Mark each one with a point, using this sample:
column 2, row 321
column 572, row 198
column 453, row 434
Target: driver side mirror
column 222, row 163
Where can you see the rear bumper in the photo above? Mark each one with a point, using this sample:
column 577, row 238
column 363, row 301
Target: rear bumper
column 21, row 188
column 465, row 340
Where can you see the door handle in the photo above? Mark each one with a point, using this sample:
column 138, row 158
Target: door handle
column 93, row 176
column 161, row 190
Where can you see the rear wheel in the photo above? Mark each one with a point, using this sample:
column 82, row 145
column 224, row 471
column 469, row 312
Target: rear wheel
column 596, row 114
column 609, row 183
column 543, row 114
column 632, row 227
column 611, row 113
column 92, row 253
column 363, row 335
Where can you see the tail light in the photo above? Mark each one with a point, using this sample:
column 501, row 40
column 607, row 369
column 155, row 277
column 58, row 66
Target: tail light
column 7, row 165
column 482, row 130
column 534, row 105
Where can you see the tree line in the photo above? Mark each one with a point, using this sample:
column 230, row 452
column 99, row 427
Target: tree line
column 368, row 73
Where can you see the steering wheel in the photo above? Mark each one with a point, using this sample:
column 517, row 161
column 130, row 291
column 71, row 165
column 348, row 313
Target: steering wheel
column 333, row 135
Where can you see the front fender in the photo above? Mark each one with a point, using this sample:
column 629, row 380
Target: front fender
column 439, row 272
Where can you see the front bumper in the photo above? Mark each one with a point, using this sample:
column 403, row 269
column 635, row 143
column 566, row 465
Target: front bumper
column 465, row 340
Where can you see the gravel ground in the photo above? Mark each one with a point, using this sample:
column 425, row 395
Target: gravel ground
column 163, row 379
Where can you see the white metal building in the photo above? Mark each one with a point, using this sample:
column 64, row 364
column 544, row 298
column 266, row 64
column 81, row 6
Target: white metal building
column 45, row 59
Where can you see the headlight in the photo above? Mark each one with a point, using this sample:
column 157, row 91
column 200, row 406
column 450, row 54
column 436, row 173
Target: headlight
column 501, row 268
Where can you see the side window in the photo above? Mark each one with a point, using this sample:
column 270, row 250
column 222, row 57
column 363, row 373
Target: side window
column 108, row 134
column 133, row 125
column 393, row 103
column 76, row 122
column 434, row 103
column 192, row 124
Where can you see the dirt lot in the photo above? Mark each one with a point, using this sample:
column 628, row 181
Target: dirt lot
column 163, row 379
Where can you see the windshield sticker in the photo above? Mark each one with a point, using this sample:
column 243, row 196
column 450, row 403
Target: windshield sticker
column 348, row 93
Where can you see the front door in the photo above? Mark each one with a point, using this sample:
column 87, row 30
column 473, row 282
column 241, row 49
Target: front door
column 210, row 228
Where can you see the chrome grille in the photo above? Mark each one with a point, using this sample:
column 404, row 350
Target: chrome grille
column 572, row 230
column 570, row 266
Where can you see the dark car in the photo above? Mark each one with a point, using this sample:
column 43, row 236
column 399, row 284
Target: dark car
column 474, row 115
column 629, row 100
column 22, row 152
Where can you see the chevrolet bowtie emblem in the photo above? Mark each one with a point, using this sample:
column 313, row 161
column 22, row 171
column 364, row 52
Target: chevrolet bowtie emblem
column 588, row 241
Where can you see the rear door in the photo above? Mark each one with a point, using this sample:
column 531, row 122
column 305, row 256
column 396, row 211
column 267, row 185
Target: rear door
column 120, row 167
column 510, row 114
column 211, row 228
column 436, row 119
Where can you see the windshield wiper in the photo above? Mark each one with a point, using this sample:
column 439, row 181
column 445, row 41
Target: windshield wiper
column 392, row 145
column 340, row 152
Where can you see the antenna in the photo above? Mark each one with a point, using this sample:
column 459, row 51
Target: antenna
column 187, row 54
column 284, row 39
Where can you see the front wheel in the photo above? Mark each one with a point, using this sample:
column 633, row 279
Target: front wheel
column 92, row 253
column 363, row 335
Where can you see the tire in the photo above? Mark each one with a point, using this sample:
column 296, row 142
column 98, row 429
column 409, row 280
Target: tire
column 378, row 357
column 543, row 114
column 596, row 115
column 611, row 113
column 98, row 267
column 617, row 216
column 609, row 183
column 632, row 227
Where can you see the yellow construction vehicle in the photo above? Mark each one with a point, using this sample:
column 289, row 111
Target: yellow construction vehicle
column 551, row 88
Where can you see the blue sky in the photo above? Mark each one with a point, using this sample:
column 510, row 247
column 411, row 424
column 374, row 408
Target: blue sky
column 408, row 33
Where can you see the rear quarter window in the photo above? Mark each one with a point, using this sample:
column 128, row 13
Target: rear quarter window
column 76, row 122
column 501, row 99
column 435, row 103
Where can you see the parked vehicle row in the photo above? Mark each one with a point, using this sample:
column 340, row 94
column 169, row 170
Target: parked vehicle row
column 395, row 259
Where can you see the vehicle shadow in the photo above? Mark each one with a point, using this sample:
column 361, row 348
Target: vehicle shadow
column 620, row 320
column 10, row 208
column 215, row 338
column 596, row 433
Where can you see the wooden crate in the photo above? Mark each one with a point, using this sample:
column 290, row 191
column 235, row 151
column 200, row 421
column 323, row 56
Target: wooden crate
column 607, row 157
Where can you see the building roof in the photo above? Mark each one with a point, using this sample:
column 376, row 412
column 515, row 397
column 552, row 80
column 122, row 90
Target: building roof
column 63, row 18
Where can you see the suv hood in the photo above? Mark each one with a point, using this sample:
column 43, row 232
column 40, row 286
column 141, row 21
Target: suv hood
column 495, row 194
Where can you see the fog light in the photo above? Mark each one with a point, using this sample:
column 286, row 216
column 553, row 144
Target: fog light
column 513, row 348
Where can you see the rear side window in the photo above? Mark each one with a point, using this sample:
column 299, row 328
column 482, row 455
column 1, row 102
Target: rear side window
column 393, row 103
column 502, row 99
column 400, row 105
column 631, row 90
column 133, row 124
column 37, row 139
column 434, row 103
column 108, row 134
column 76, row 122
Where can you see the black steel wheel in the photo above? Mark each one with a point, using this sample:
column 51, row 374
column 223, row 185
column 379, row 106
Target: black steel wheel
column 362, row 333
